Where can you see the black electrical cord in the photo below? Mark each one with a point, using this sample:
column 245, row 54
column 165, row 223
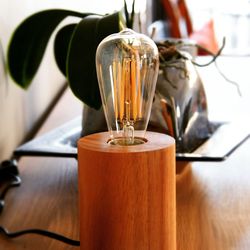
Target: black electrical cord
column 9, row 175
column 14, row 182
column 39, row 232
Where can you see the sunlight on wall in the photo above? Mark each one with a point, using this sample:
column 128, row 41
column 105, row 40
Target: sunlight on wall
column 95, row 6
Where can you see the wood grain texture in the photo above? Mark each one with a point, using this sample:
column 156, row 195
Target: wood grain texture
column 46, row 199
column 127, row 194
column 213, row 204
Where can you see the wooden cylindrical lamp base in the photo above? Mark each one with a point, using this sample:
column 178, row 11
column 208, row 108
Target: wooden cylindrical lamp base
column 127, row 194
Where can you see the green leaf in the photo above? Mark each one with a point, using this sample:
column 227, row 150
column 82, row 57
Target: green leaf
column 29, row 41
column 81, row 70
column 61, row 45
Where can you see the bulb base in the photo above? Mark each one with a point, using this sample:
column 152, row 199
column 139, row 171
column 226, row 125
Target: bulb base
column 127, row 141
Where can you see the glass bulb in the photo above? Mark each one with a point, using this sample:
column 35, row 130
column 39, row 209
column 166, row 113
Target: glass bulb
column 127, row 66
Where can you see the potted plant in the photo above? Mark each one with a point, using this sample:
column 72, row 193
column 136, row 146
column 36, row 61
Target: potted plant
column 74, row 47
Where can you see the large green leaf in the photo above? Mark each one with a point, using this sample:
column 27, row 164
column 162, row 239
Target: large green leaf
column 61, row 45
column 29, row 42
column 81, row 70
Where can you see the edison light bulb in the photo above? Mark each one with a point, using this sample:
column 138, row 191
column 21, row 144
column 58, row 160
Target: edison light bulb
column 127, row 67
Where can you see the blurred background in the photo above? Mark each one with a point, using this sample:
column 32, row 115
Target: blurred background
column 21, row 111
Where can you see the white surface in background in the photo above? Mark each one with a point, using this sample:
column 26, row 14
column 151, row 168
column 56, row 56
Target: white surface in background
column 224, row 101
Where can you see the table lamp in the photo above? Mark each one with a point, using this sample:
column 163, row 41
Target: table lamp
column 127, row 175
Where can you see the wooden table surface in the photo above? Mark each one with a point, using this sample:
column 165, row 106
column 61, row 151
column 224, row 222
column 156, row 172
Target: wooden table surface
column 213, row 198
column 48, row 196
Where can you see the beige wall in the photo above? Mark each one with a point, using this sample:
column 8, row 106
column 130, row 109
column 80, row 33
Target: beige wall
column 19, row 109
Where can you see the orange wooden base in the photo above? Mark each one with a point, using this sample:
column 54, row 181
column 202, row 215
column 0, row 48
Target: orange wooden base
column 127, row 194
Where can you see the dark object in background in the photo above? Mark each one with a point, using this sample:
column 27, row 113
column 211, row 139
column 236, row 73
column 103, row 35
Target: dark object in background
column 9, row 177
